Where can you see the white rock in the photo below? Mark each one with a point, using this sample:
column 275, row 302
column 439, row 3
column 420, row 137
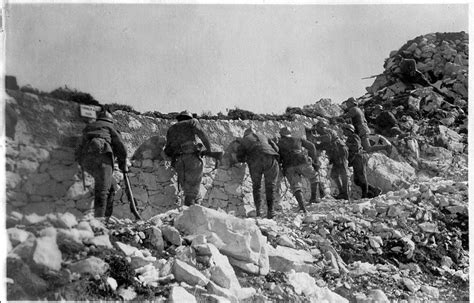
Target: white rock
column 127, row 294
column 179, row 295
column 388, row 174
column 112, row 283
column 285, row 259
column 305, row 284
column 410, row 285
column 156, row 238
column 17, row 236
column 222, row 272
column 242, row 239
column 91, row 265
column 47, row 253
column 67, row 220
column 215, row 289
column 186, row 273
column 431, row 291
column 377, row 295
column 128, row 250
column 101, row 241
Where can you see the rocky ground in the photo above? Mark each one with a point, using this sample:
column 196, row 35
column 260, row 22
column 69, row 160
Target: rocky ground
column 408, row 245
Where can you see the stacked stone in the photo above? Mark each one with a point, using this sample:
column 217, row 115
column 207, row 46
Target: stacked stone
column 442, row 58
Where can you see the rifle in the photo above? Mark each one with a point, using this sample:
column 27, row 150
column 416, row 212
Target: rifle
column 83, row 177
column 217, row 156
column 128, row 190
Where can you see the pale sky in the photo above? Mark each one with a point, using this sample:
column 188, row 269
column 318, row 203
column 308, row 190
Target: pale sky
column 168, row 58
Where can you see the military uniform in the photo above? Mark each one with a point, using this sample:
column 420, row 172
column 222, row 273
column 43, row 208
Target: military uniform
column 337, row 153
column 184, row 150
column 357, row 160
column 361, row 128
column 298, row 165
column 100, row 144
column 261, row 155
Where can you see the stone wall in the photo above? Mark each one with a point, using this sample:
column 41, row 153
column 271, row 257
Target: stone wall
column 42, row 176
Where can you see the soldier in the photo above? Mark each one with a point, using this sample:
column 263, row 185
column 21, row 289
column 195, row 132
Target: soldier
column 261, row 155
column 385, row 122
column 101, row 142
column 337, row 153
column 185, row 153
column 358, row 162
column 296, row 165
column 362, row 130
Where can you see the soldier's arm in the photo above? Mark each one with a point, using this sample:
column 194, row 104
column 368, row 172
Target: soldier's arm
column 200, row 133
column 119, row 148
column 241, row 154
column 310, row 147
column 274, row 145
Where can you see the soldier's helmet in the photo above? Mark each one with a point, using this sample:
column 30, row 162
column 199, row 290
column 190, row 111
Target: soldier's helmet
column 248, row 131
column 285, row 132
column 348, row 127
column 184, row 115
column 105, row 116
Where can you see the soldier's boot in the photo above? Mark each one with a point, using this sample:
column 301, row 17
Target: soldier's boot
column 109, row 207
column 315, row 196
column 270, row 212
column 189, row 200
column 373, row 191
column 257, row 208
column 299, row 197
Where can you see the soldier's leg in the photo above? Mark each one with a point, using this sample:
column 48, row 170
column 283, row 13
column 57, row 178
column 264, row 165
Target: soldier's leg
column 103, row 181
column 193, row 168
column 310, row 173
column 256, row 172
column 336, row 177
column 295, row 180
column 109, row 209
column 360, row 175
column 271, row 178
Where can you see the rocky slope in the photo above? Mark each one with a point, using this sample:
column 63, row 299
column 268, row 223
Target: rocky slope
column 409, row 244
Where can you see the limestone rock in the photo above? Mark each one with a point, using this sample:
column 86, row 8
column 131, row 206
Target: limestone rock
column 178, row 294
column 388, row 174
column 47, row 253
column 67, row 220
column 241, row 239
column 171, row 234
column 285, row 259
column 156, row 238
column 17, row 236
column 101, row 241
column 215, row 289
column 377, row 295
column 186, row 273
column 91, row 265
column 305, row 284
column 222, row 272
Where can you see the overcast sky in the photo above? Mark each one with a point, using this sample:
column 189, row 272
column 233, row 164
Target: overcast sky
column 169, row 58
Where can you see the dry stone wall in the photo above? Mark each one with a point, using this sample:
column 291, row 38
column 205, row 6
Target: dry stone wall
column 42, row 176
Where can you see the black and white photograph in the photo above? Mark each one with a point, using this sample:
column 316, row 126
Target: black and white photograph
column 252, row 152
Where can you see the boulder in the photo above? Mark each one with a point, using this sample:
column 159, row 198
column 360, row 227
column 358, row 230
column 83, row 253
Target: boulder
column 101, row 241
column 91, row 265
column 171, row 235
column 215, row 289
column 305, row 284
column 156, row 238
column 388, row 174
column 239, row 239
column 285, row 259
column 222, row 272
column 22, row 275
column 17, row 235
column 186, row 273
column 67, row 220
column 178, row 294
column 47, row 253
